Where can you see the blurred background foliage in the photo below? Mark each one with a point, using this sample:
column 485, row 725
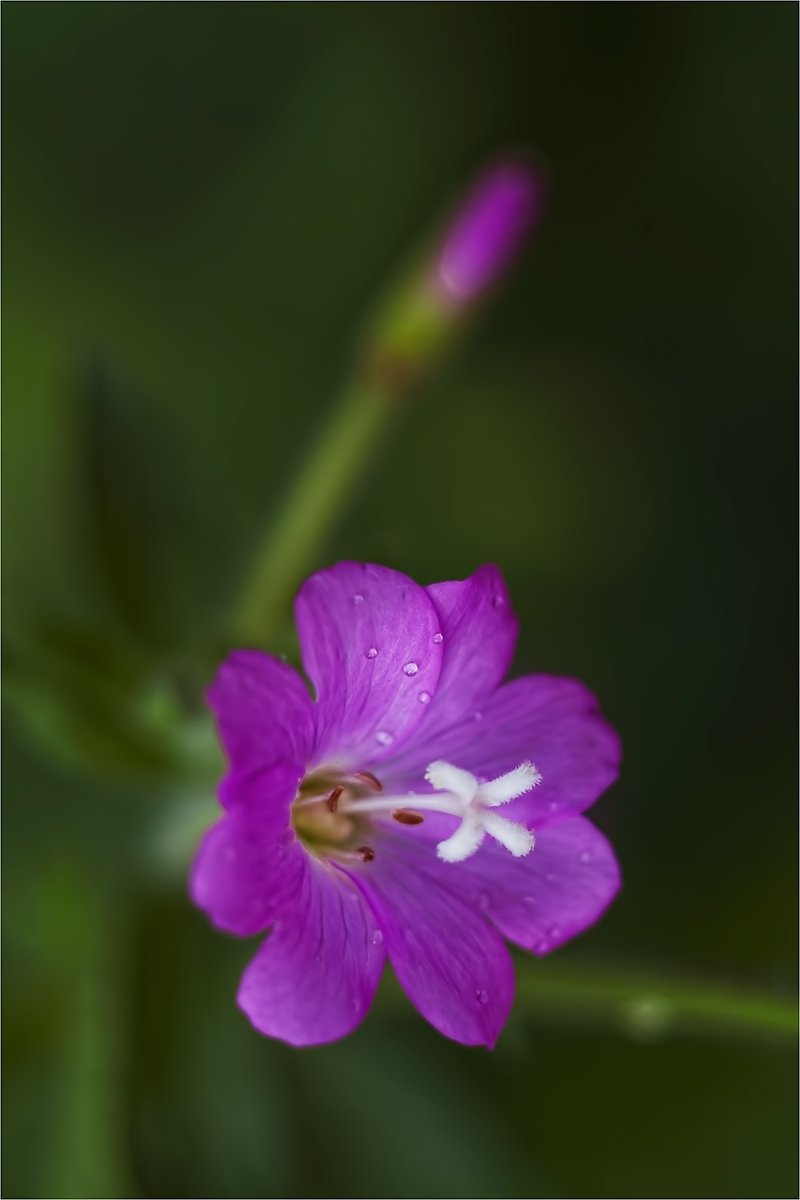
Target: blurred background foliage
column 202, row 202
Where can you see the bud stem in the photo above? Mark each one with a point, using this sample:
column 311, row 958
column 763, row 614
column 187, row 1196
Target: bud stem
column 319, row 492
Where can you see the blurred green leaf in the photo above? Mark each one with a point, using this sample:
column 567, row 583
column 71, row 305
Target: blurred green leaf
column 145, row 527
column 88, row 700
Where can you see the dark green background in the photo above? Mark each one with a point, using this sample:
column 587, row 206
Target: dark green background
column 202, row 201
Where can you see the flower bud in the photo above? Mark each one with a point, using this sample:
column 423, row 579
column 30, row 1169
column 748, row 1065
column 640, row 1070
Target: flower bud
column 426, row 312
column 489, row 229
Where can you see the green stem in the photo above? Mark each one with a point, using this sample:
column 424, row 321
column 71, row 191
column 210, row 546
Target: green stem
column 89, row 1156
column 645, row 1006
column 648, row 1005
column 319, row 493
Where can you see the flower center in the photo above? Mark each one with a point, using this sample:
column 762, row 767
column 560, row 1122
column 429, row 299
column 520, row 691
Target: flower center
column 321, row 816
column 330, row 808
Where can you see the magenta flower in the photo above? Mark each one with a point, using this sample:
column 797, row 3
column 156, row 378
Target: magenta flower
column 418, row 808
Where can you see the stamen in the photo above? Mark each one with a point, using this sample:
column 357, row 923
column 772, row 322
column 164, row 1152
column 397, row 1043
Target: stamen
column 370, row 779
column 365, row 853
column 333, row 800
column 406, row 816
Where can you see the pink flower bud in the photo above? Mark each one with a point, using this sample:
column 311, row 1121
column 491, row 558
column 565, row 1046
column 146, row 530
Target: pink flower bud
column 489, row 229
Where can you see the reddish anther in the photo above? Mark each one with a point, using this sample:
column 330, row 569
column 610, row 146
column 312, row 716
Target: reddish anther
column 407, row 816
column 368, row 777
column 333, row 800
column 365, row 853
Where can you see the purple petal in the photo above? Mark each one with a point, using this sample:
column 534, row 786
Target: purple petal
column 480, row 630
column 249, row 863
column 451, row 964
column 554, row 723
column 555, row 892
column 371, row 646
column 314, row 977
column 263, row 711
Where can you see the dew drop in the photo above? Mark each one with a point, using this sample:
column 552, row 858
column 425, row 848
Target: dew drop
column 478, row 716
column 482, row 996
column 410, row 669
column 437, row 637
column 553, row 805
column 541, row 947
column 358, row 599
column 371, row 653
column 555, row 932
column 531, row 901
column 498, row 602
column 384, row 738
column 377, row 938
column 424, row 697
column 550, row 877
column 584, row 856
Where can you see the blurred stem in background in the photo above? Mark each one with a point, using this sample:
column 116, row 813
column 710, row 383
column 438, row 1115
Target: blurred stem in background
column 421, row 319
column 77, row 929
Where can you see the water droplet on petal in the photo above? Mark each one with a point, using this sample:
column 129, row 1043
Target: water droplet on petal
column 384, row 738
column 358, row 599
column 410, row 669
column 541, row 947
column 424, row 697
column 498, row 602
column 584, row 856
column 377, row 938
column 478, row 716
column 437, row 637
column 555, row 932
column 531, row 901
column 482, row 996
column 550, row 877
column 371, row 653
column 553, row 805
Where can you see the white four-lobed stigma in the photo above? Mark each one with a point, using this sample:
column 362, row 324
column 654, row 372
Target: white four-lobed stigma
column 463, row 796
